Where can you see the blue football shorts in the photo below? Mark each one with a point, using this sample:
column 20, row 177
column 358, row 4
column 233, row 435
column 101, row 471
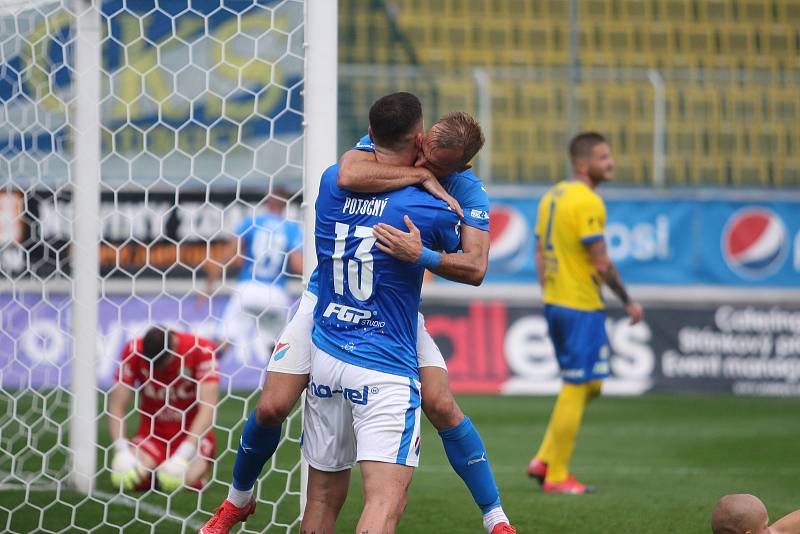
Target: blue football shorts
column 581, row 343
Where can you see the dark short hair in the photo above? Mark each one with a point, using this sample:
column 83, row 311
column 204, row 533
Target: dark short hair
column 461, row 131
column 582, row 144
column 155, row 344
column 392, row 117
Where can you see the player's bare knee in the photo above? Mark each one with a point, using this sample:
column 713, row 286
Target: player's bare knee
column 442, row 410
column 269, row 413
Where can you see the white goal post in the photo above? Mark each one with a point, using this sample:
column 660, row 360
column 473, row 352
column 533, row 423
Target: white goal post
column 134, row 138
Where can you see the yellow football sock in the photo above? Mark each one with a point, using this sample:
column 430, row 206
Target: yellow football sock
column 562, row 430
column 595, row 388
column 546, row 448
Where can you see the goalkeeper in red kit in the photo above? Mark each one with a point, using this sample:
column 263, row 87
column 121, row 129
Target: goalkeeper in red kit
column 178, row 387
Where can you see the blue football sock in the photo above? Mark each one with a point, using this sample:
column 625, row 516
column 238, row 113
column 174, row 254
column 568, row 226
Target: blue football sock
column 257, row 445
column 467, row 455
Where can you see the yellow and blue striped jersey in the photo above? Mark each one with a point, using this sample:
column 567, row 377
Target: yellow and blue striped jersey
column 570, row 216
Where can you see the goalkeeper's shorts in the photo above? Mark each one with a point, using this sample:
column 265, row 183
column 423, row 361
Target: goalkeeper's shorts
column 292, row 354
column 581, row 343
column 353, row 414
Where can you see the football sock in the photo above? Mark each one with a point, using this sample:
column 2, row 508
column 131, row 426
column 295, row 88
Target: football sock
column 467, row 455
column 239, row 498
column 595, row 387
column 494, row 517
column 256, row 446
column 563, row 427
column 546, row 448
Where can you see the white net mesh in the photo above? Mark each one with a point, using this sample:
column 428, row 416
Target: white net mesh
column 201, row 116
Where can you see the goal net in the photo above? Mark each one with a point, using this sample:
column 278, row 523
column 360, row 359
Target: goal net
column 200, row 127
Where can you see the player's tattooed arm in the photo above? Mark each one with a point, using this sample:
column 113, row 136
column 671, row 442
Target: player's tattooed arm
column 610, row 275
column 539, row 259
column 360, row 172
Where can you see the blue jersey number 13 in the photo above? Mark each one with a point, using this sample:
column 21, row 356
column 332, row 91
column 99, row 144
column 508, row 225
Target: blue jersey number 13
column 360, row 286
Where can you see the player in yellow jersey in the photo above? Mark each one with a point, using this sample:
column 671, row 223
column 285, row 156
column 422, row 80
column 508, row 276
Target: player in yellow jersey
column 573, row 263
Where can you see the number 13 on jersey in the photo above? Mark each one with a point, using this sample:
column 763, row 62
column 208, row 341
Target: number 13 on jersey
column 359, row 268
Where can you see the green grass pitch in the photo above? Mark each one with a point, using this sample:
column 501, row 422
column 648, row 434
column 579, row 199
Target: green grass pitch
column 659, row 463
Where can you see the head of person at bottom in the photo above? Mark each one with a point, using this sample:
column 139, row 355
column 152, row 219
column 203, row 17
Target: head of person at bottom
column 396, row 127
column 740, row 513
column 590, row 155
column 157, row 346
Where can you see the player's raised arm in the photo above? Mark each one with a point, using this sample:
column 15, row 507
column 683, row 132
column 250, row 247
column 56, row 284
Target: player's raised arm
column 447, row 149
column 360, row 171
column 610, row 275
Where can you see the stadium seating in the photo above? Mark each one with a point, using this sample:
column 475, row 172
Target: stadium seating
column 731, row 71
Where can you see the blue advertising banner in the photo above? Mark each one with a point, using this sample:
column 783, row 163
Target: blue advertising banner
column 670, row 241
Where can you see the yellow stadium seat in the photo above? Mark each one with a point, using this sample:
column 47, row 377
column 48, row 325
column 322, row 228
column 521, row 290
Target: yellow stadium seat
column 787, row 172
column 784, row 103
column 697, row 42
column 737, row 40
column 596, row 10
column 751, row 171
column 788, row 11
column 755, row 12
column 676, row 10
column 703, row 170
column 714, row 11
column 780, row 40
column 638, row 11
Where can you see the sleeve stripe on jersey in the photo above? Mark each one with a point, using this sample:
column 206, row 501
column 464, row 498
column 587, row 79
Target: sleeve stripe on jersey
column 591, row 238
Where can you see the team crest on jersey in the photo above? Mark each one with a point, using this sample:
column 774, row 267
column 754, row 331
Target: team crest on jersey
column 280, row 351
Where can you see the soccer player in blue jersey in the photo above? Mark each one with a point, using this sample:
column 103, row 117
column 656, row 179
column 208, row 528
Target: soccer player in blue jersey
column 363, row 400
column 453, row 140
column 267, row 246
column 443, row 152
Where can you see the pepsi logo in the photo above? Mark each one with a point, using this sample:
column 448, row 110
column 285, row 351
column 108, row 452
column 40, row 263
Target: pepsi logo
column 510, row 237
column 754, row 242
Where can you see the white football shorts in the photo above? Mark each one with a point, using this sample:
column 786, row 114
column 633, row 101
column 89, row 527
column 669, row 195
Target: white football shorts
column 354, row 414
column 254, row 309
column 428, row 354
column 292, row 354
